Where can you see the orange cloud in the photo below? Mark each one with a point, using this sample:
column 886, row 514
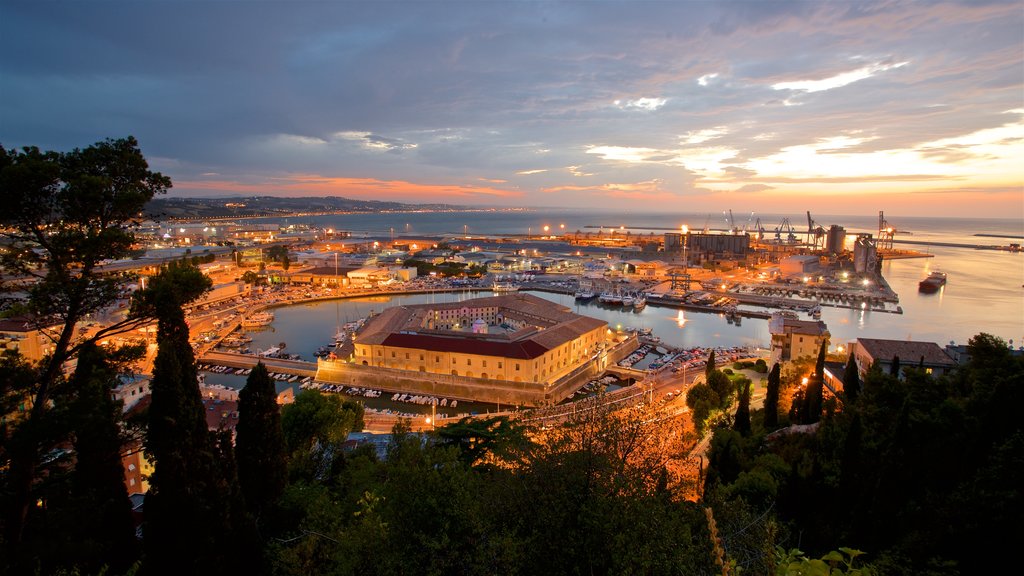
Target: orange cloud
column 364, row 188
column 647, row 190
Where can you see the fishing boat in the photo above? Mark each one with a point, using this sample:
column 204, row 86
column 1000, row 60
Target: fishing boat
column 610, row 298
column 639, row 303
column 585, row 295
column 932, row 283
column 258, row 319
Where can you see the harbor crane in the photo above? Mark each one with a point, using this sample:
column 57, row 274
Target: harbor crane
column 815, row 233
column 730, row 221
column 886, row 232
column 785, row 226
column 759, row 229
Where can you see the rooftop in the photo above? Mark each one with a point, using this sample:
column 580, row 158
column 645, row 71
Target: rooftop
column 908, row 351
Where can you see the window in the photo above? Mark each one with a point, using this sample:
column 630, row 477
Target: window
column 406, row 355
column 517, row 366
column 437, row 358
column 392, row 353
column 485, row 363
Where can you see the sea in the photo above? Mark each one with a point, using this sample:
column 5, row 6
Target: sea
column 984, row 291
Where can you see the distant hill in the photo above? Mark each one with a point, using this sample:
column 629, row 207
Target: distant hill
column 248, row 206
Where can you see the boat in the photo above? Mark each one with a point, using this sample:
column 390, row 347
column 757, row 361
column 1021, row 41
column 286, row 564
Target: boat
column 610, row 298
column 639, row 303
column 585, row 295
column 932, row 283
column 504, row 287
column 627, row 301
column 258, row 319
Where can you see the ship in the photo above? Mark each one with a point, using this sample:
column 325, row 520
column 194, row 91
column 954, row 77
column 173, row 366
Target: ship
column 258, row 319
column 932, row 283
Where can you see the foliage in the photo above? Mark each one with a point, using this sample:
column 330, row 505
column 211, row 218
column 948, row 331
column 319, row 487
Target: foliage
column 314, row 426
column 771, row 398
column 851, row 380
column 741, row 423
column 702, row 400
column 723, row 386
column 192, row 501
column 64, row 215
column 259, row 444
column 840, row 562
column 921, row 471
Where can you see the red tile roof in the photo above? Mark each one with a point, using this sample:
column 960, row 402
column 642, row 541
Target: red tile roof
column 523, row 349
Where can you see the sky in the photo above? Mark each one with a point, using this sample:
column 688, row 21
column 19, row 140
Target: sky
column 848, row 107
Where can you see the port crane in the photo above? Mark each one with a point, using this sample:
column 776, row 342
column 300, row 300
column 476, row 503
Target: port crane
column 759, row 229
column 887, row 233
column 815, row 233
column 730, row 221
column 785, row 226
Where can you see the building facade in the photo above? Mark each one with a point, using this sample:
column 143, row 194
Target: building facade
column 514, row 338
column 925, row 355
column 793, row 338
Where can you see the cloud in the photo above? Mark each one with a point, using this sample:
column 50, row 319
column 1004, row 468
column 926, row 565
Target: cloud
column 375, row 141
column 838, row 80
column 754, row 188
column 529, row 172
column 707, row 78
column 648, row 104
column 367, row 188
column 699, row 136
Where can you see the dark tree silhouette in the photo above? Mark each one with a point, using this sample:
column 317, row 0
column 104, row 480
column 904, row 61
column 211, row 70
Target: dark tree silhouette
column 260, row 449
column 771, row 397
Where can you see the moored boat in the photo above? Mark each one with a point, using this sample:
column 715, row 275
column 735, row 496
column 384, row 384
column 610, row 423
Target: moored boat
column 258, row 319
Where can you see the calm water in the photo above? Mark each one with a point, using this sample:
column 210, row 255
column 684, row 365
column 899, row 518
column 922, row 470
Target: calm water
column 985, row 291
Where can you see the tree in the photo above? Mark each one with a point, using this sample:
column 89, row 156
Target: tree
column 314, row 426
column 723, row 386
column 771, row 397
column 894, row 368
column 815, row 389
column 189, row 504
column 702, row 399
column 277, row 253
column 851, row 380
column 64, row 214
column 742, row 422
column 260, row 449
column 710, row 366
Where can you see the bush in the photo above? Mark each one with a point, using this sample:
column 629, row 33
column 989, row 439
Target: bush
column 761, row 366
column 727, row 371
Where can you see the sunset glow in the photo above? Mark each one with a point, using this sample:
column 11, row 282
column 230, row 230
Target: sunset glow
column 689, row 106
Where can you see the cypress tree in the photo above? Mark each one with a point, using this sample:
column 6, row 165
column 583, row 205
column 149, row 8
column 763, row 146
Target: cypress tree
column 187, row 509
column 813, row 394
column 259, row 443
column 742, row 423
column 105, row 532
column 894, row 369
column 771, row 397
column 851, row 380
column 710, row 367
